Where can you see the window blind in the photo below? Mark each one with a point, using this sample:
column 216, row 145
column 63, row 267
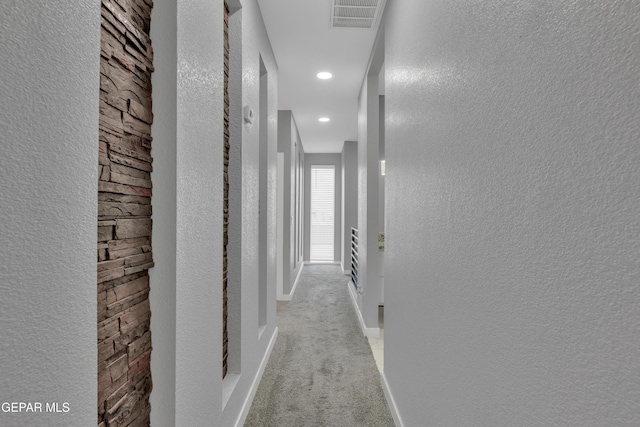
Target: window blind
column 322, row 212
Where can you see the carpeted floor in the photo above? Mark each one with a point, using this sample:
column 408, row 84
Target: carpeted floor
column 321, row 371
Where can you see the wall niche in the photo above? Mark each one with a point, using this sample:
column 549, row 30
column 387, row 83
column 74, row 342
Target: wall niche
column 124, row 214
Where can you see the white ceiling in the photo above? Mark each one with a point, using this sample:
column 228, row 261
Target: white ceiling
column 304, row 44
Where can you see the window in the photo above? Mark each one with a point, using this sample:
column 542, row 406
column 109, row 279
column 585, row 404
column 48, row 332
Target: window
column 322, row 213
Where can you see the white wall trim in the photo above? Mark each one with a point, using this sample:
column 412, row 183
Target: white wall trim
column 322, row 263
column 344, row 271
column 295, row 284
column 288, row 297
column 367, row 332
column 229, row 384
column 256, row 381
column 391, row 401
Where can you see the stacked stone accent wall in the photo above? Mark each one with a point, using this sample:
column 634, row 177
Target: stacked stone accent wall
column 124, row 214
column 225, row 333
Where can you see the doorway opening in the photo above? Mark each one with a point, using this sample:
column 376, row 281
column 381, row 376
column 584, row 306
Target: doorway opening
column 322, row 213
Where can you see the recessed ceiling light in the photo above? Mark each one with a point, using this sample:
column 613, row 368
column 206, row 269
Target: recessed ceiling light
column 323, row 119
column 324, row 75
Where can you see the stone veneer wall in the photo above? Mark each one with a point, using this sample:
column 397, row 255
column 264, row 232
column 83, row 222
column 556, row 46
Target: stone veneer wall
column 227, row 146
column 124, row 214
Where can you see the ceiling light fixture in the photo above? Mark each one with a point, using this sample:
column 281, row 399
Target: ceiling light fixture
column 323, row 119
column 324, row 75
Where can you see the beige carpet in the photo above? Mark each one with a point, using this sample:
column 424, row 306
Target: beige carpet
column 321, row 371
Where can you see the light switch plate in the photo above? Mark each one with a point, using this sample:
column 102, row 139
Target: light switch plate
column 248, row 114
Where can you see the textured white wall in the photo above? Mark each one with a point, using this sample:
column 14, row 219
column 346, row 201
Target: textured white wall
column 254, row 345
column 297, row 173
column 235, row 255
column 162, row 276
column 288, row 137
column 49, row 89
column 285, row 145
column 368, row 195
column 199, row 198
column 513, row 247
column 381, row 184
column 186, row 294
column 349, row 199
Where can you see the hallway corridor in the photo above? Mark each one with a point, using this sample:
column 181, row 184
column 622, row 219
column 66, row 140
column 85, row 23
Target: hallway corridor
column 321, row 371
column 156, row 164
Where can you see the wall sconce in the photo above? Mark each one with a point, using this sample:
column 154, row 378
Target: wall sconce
column 382, row 168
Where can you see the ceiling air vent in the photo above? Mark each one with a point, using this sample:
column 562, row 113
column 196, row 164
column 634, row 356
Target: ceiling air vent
column 356, row 13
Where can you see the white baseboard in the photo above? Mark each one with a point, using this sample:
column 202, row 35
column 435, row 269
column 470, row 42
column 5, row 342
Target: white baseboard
column 367, row 332
column 289, row 296
column 390, row 401
column 346, row 272
column 322, row 263
column 295, row 284
column 256, row 381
